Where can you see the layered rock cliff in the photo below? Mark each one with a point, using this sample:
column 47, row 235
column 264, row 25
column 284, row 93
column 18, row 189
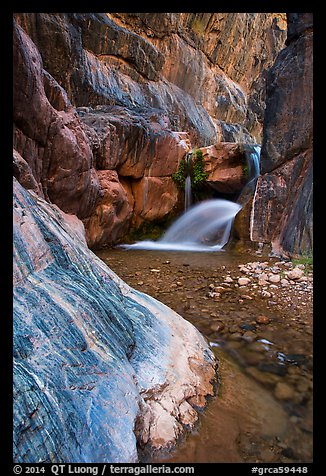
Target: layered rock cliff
column 282, row 211
column 99, row 368
column 147, row 87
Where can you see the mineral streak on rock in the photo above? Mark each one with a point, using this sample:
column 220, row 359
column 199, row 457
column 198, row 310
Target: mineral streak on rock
column 98, row 366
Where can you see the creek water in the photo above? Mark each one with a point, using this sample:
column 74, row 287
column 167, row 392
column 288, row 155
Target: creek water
column 249, row 420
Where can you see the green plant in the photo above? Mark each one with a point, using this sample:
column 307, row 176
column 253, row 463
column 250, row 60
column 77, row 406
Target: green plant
column 245, row 169
column 199, row 176
column 197, row 172
column 180, row 176
column 306, row 259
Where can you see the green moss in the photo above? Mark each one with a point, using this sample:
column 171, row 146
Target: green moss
column 306, row 259
column 149, row 230
column 198, row 175
column 180, row 176
column 245, row 169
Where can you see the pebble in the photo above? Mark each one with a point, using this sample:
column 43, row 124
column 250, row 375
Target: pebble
column 153, row 270
column 243, row 281
column 283, row 391
column 228, row 279
column 266, row 294
column 249, row 336
column 284, row 282
column 274, row 278
column 217, row 326
column 262, row 320
column 262, row 282
column 214, row 295
column 295, row 273
column 247, row 327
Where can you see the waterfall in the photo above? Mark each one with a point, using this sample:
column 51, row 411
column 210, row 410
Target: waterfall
column 188, row 193
column 204, row 227
column 253, row 160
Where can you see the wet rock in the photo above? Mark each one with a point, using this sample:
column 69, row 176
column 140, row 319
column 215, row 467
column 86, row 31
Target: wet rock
column 273, row 368
column 217, row 326
column 247, row 327
column 297, row 359
column 223, row 164
column 289, row 453
column 249, row 336
column 262, row 377
column 283, row 391
column 262, row 320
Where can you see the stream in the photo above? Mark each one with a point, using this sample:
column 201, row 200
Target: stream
column 262, row 336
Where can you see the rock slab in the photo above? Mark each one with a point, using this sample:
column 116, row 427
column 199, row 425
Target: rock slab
column 98, row 366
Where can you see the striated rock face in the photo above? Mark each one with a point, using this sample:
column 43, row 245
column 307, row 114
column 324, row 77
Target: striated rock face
column 48, row 136
column 198, row 68
column 98, row 366
column 147, row 87
column 282, row 205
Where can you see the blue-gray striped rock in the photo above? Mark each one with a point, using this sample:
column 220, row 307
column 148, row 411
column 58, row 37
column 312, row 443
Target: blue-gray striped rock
column 100, row 369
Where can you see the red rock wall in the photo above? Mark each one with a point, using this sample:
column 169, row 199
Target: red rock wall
column 131, row 94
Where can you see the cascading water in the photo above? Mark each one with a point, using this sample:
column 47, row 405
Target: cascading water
column 204, row 227
column 253, row 160
column 188, row 192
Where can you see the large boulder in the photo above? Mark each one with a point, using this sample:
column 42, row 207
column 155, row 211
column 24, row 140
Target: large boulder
column 99, row 368
column 225, row 164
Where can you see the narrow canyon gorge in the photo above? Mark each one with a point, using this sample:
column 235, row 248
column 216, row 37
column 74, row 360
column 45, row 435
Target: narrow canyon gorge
column 124, row 124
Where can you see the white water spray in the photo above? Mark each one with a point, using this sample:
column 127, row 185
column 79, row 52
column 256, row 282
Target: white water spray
column 188, row 191
column 204, row 227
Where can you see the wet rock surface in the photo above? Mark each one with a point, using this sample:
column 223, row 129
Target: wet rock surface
column 283, row 201
column 257, row 311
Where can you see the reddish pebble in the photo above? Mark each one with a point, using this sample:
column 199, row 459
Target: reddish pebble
column 262, row 320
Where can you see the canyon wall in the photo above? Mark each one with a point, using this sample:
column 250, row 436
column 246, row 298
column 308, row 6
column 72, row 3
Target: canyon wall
column 282, row 210
column 100, row 369
column 118, row 99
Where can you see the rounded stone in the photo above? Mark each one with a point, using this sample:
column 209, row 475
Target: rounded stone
column 274, row 278
column 243, row 281
column 283, row 391
column 262, row 320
